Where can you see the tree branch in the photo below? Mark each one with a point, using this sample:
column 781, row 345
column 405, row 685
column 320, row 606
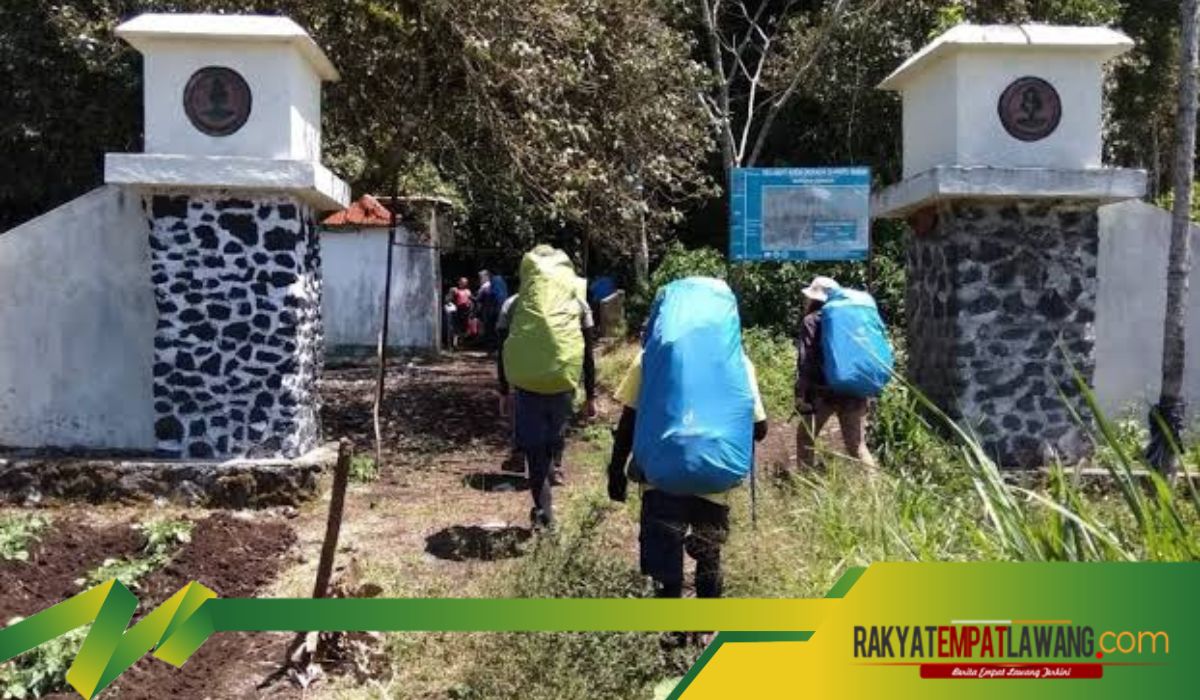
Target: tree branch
column 777, row 102
column 708, row 13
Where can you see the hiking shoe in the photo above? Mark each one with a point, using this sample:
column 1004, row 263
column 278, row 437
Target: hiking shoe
column 540, row 520
column 558, row 478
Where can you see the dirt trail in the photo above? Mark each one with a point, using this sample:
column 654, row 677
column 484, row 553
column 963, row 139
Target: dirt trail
column 441, row 520
column 442, row 509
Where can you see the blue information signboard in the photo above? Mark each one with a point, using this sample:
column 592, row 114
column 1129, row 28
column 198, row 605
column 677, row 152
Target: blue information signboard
column 800, row 213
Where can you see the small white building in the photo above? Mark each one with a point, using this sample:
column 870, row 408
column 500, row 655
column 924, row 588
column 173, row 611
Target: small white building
column 354, row 256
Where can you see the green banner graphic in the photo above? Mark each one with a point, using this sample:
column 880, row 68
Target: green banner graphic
column 925, row 630
column 178, row 627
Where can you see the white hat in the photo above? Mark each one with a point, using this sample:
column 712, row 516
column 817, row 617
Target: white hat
column 820, row 288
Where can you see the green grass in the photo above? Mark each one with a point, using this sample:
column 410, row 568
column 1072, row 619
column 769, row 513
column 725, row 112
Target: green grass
column 936, row 497
column 612, row 365
column 363, row 469
column 17, row 532
column 580, row 560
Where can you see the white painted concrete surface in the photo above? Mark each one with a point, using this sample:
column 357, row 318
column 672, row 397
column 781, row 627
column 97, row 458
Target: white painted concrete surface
column 1134, row 241
column 77, row 319
column 355, row 266
column 310, row 180
column 280, row 62
column 951, row 89
column 949, row 182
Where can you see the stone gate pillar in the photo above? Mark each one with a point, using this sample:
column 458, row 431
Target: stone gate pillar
column 1002, row 182
column 231, row 178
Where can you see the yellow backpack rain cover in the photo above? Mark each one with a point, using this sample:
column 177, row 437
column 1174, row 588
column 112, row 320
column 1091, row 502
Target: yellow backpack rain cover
column 544, row 350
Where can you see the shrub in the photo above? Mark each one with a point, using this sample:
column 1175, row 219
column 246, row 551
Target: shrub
column 774, row 358
column 17, row 532
column 678, row 262
column 769, row 292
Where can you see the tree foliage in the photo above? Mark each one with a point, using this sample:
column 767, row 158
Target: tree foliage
column 561, row 120
column 539, row 116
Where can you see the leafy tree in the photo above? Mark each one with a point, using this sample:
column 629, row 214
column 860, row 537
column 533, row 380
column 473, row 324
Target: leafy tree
column 539, row 116
column 1166, row 419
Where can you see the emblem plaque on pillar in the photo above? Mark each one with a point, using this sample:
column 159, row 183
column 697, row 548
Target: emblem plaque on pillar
column 1030, row 109
column 1003, row 178
column 231, row 180
column 217, row 100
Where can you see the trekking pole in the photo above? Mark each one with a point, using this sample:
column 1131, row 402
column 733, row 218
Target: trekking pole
column 753, row 486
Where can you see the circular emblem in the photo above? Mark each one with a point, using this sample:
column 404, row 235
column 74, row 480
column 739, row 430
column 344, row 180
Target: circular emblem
column 217, row 100
column 1030, row 109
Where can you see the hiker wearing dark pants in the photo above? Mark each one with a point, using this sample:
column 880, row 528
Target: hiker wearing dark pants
column 672, row 524
column 516, row 460
column 540, row 428
column 546, row 335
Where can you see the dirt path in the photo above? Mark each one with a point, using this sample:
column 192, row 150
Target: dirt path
column 441, row 520
column 442, row 511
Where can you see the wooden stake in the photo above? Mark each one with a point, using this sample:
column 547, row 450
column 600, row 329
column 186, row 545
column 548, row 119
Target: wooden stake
column 333, row 526
column 383, row 338
column 303, row 653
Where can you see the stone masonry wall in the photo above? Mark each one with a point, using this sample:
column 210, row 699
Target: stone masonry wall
column 239, row 344
column 1001, row 302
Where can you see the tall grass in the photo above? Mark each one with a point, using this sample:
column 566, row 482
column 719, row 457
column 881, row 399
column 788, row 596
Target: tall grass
column 937, row 497
column 580, row 561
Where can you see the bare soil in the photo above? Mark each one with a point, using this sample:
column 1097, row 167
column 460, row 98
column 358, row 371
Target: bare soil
column 64, row 554
column 234, row 557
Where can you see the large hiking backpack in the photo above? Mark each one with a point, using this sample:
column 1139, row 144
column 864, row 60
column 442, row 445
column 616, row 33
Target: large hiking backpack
column 544, row 350
column 499, row 290
column 858, row 357
column 695, row 411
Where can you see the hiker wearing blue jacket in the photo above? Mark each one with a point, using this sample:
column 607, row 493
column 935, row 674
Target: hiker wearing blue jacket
column 696, row 520
column 815, row 401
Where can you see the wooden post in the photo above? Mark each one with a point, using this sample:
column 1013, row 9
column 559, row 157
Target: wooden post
column 333, row 526
column 304, row 650
column 383, row 337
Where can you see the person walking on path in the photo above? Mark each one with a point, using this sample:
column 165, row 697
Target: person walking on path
column 678, row 520
column 459, row 301
column 815, row 401
column 488, row 303
column 547, row 342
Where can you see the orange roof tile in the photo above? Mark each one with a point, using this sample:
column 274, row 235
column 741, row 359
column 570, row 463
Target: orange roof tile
column 366, row 211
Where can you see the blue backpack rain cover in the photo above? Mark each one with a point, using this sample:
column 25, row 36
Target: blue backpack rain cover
column 695, row 416
column 499, row 289
column 858, row 357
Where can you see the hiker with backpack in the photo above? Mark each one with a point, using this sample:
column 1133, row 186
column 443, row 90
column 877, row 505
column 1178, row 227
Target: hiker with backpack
column 547, row 335
column 843, row 360
column 692, row 412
